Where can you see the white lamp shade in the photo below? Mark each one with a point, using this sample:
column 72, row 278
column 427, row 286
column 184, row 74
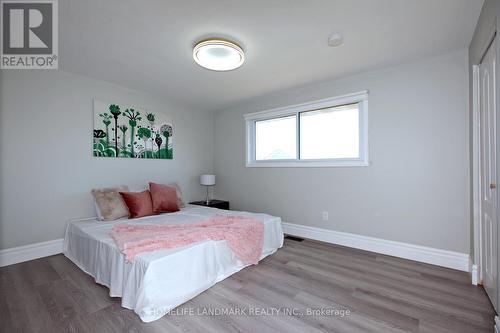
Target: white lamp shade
column 207, row 180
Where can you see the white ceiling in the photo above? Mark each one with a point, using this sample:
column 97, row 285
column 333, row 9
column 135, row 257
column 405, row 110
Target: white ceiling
column 147, row 45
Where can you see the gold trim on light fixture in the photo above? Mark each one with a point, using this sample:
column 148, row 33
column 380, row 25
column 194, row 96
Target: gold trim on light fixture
column 217, row 42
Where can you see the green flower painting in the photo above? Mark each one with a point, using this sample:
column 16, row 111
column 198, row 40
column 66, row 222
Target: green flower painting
column 130, row 132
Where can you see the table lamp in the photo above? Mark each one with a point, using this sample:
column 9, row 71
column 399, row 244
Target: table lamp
column 207, row 180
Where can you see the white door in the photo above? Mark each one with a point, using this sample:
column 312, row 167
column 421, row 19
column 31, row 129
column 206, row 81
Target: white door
column 489, row 226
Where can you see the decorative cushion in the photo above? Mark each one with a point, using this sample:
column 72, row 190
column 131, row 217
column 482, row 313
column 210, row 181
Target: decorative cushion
column 109, row 203
column 180, row 203
column 139, row 203
column 164, row 198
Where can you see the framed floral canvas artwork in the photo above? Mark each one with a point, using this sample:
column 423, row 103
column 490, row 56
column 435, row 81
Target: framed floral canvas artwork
column 130, row 132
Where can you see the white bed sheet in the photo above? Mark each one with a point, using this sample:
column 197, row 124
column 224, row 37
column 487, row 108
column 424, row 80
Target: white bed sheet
column 157, row 282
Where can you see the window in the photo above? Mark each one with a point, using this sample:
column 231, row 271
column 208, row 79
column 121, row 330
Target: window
column 329, row 132
column 275, row 139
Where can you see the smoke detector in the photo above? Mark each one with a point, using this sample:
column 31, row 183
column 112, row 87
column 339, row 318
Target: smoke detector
column 335, row 39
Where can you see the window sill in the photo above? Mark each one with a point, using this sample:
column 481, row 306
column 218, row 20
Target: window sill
column 307, row 164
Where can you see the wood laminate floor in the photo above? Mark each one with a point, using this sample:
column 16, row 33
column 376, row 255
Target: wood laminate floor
column 382, row 293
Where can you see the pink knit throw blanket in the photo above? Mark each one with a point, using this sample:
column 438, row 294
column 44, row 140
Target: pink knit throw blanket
column 244, row 235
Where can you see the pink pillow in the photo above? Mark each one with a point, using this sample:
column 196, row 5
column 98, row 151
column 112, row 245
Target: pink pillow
column 139, row 203
column 164, row 198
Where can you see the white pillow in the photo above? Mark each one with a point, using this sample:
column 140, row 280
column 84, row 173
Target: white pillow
column 109, row 204
column 179, row 194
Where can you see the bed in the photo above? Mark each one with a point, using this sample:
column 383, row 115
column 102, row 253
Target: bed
column 157, row 282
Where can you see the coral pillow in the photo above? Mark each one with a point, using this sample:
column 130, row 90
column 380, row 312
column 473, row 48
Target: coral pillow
column 164, row 198
column 139, row 203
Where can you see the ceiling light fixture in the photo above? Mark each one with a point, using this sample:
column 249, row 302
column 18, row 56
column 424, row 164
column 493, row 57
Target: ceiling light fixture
column 218, row 55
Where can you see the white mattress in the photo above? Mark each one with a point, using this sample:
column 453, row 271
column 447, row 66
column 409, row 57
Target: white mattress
column 157, row 282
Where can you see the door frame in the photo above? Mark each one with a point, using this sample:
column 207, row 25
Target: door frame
column 476, row 269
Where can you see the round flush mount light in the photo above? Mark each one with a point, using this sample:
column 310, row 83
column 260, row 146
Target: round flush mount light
column 218, row 55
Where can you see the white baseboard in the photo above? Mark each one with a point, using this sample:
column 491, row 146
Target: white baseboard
column 474, row 274
column 419, row 253
column 444, row 258
column 19, row 254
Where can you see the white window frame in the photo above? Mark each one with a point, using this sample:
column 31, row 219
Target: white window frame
column 363, row 160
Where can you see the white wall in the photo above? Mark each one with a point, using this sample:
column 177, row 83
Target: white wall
column 415, row 191
column 47, row 168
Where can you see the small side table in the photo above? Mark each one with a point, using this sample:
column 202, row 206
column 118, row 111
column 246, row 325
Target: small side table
column 221, row 204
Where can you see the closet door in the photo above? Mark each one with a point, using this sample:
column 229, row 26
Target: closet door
column 489, row 191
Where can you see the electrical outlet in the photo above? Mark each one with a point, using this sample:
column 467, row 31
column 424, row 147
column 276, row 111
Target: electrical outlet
column 325, row 216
